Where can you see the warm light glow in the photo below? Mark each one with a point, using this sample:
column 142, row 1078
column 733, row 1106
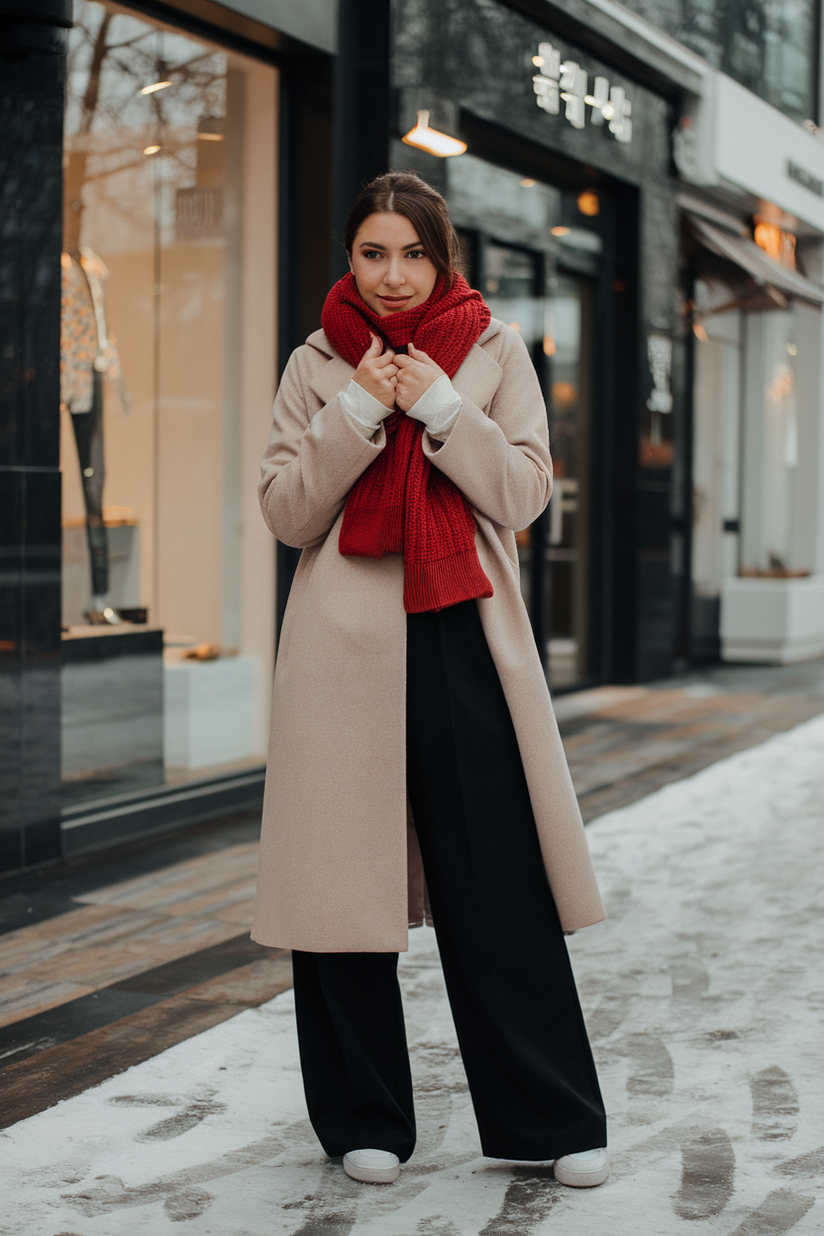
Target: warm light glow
column 700, row 333
column 527, row 184
column 780, row 245
column 768, row 237
column 563, row 392
column 792, row 349
column 782, row 384
column 150, row 149
column 537, row 61
column 210, row 137
column 549, row 345
column 560, row 231
column 154, row 87
column 516, row 326
column 432, row 140
column 589, row 203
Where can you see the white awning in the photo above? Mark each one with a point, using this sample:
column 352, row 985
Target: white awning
column 763, row 269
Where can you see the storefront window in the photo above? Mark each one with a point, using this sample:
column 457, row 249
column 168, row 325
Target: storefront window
column 769, row 46
column 716, row 458
column 772, row 543
column 167, row 377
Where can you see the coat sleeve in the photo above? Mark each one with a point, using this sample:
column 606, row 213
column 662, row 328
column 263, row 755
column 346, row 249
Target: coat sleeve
column 313, row 458
column 500, row 460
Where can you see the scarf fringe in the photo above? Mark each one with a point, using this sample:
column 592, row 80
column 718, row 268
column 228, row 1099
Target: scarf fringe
column 430, row 586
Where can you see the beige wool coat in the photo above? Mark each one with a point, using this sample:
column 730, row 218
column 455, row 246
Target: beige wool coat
column 340, row 868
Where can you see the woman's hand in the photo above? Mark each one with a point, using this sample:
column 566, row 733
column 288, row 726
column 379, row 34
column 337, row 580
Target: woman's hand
column 377, row 373
column 416, row 373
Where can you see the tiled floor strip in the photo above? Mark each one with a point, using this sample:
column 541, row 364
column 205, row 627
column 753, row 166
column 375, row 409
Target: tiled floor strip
column 56, row 1070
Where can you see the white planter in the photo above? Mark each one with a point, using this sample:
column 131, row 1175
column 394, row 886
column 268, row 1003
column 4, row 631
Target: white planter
column 208, row 710
column 774, row 621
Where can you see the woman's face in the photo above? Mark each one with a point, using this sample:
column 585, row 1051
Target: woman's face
column 390, row 265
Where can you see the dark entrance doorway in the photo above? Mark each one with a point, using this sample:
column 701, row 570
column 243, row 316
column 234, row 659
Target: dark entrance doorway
column 552, row 307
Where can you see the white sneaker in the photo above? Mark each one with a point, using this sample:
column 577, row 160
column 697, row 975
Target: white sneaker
column 372, row 1166
column 584, row 1169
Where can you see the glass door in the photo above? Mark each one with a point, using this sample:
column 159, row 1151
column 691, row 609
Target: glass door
column 552, row 311
column 568, row 547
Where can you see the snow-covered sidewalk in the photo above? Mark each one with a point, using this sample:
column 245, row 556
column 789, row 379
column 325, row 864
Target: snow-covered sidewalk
column 703, row 993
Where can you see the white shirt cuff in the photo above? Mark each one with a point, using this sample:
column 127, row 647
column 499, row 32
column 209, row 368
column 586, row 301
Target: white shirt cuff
column 364, row 409
column 438, row 408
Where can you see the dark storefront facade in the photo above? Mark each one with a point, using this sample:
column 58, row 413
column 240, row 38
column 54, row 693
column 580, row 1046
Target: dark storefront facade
column 565, row 203
column 168, row 172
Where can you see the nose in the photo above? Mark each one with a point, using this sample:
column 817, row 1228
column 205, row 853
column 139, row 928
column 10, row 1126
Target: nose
column 394, row 276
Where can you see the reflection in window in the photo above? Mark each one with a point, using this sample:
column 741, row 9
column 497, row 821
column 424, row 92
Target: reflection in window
column 769, row 46
column 511, row 291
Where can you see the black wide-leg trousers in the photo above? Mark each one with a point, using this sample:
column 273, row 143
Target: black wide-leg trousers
column 522, row 1036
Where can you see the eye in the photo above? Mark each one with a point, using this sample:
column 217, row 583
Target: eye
column 372, row 253
column 416, row 253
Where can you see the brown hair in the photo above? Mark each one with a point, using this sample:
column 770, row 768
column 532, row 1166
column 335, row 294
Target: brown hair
column 405, row 193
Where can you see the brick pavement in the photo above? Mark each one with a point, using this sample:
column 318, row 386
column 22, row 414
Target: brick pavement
column 100, row 968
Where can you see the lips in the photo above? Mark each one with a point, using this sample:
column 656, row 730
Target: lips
column 394, row 302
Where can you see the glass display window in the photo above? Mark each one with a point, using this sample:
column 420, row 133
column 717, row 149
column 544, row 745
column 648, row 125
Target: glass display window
column 168, row 370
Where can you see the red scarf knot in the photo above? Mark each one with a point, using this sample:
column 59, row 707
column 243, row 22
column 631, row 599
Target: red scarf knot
column 401, row 504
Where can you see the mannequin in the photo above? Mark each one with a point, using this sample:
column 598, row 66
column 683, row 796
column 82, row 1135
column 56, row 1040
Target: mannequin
column 86, row 354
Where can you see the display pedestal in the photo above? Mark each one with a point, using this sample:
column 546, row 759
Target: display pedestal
column 208, row 710
column 112, row 708
column 773, row 621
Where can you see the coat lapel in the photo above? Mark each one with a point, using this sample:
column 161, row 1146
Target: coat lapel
column 331, row 377
column 478, row 377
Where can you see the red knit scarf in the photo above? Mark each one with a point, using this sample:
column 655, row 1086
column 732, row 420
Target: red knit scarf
column 401, row 504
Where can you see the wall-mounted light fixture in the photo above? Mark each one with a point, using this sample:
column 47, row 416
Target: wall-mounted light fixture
column 155, row 86
column 432, row 140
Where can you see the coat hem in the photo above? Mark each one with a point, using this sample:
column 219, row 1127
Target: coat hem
column 331, row 947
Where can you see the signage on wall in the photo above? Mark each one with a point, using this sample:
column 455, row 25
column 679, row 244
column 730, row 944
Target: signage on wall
column 802, row 177
column 564, row 81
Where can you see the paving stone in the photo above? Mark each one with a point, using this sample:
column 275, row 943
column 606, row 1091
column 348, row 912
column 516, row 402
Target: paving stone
column 702, row 994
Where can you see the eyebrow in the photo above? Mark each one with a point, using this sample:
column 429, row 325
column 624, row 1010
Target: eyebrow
column 416, row 244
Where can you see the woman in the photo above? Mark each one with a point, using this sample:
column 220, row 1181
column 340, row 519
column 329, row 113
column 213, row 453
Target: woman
column 414, row 758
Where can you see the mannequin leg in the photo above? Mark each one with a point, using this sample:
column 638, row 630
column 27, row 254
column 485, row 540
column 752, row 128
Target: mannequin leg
column 88, row 434
column 353, row 1051
column 507, row 970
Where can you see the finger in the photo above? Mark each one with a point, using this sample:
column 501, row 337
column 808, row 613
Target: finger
column 375, row 347
column 403, row 361
column 423, row 357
